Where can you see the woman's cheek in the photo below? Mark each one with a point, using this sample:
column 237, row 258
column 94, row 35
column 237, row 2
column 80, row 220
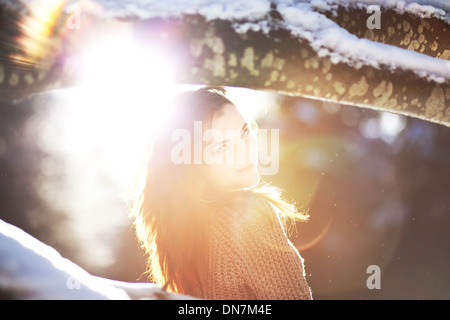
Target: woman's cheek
column 219, row 176
column 254, row 152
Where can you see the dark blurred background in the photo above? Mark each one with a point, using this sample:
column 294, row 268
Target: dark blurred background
column 376, row 186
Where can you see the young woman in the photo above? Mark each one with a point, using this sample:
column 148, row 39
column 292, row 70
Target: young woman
column 211, row 227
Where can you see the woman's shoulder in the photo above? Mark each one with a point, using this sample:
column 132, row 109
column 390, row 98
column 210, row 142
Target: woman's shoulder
column 246, row 219
column 228, row 217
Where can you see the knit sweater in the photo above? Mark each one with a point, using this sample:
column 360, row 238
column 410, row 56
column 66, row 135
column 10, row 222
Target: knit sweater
column 251, row 258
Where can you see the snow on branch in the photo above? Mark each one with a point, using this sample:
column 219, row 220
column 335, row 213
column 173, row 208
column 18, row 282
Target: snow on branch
column 421, row 26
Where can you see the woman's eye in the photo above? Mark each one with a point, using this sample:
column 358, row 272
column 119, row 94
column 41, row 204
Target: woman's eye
column 245, row 133
column 221, row 148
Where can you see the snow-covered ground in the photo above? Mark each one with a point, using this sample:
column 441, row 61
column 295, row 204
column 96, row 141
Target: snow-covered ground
column 30, row 269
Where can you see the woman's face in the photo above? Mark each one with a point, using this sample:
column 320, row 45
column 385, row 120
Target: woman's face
column 231, row 151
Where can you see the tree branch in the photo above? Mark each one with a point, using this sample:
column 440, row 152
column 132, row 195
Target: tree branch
column 320, row 49
column 418, row 28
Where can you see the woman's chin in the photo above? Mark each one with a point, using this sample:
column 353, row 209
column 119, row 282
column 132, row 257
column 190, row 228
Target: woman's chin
column 249, row 179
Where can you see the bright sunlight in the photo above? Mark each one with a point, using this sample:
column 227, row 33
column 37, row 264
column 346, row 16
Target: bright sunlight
column 106, row 124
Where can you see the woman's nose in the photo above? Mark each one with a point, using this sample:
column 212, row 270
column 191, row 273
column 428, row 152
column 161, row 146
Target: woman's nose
column 243, row 151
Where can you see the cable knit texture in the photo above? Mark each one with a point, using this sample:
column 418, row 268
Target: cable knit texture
column 251, row 258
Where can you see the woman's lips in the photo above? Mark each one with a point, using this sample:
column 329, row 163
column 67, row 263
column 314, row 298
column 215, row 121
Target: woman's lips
column 246, row 168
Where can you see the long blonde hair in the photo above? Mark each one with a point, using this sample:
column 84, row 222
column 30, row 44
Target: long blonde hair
column 172, row 223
